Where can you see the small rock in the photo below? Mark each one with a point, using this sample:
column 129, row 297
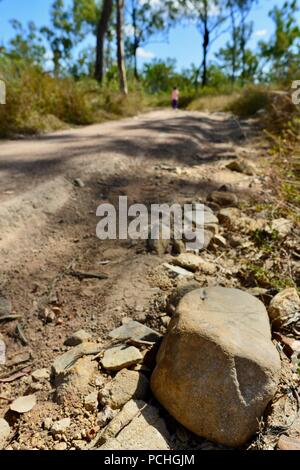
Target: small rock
column 77, row 338
column 67, row 360
column 47, row 424
column 75, row 382
column 60, row 446
column 241, row 166
column 290, row 345
column 91, row 402
column 203, row 241
column 138, row 427
column 2, row 353
column 125, row 386
column 282, row 226
column 223, row 199
column 156, row 243
column 213, row 228
column 208, row 217
column 5, row 307
column 135, row 331
column 40, row 374
column 165, row 321
column 220, row 241
column 178, row 271
column 4, row 432
column 288, row 443
column 59, row 427
column 122, row 419
column 120, row 357
column 284, row 306
column 195, row 263
column 229, row 217
column 179, row 246
column 23, row 404
column 106, row 415
column 79, row 183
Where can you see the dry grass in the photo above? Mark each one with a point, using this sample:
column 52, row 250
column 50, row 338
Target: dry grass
column 217, row 103
column 37, row 103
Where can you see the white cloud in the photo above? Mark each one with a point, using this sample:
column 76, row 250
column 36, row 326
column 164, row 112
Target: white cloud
column 261, row 33
column 141, row 52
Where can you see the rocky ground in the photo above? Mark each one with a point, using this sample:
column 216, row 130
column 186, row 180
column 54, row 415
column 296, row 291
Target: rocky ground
column 69, row 377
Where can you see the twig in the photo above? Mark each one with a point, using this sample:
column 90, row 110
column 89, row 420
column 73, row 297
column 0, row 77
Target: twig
column 10, row 317
column 83, row 275
column 6, row 399
column 21, row 336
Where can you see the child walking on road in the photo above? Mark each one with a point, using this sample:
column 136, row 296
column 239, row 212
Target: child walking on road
column 175, row 98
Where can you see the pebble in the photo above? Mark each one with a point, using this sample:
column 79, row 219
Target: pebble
column 91, row 402
column 60, row 446
column 120, row 357
column 135, row 331
column 40, row 374
column 288, row 443
column 60, row 426
column 178, row 271
column 78, row 338
column 4, row 432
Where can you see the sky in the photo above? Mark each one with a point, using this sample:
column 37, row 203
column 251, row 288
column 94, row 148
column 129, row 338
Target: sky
column 184, row 42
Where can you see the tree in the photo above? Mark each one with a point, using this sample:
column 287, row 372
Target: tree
column 27, row 44
column 230, row 54
column 159, row 76
column 237, row 60
column 102, row 27
column 120, row 47
column 209, row 16
column 145, row 20
column 62, row 36
column 95, row 16
column 244, row 8
column 282, row 51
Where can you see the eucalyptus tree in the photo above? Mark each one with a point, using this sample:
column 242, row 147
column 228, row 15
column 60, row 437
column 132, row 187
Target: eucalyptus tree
column 145, row 20
column 61, row 35
column 282, row 50
column 209, row 16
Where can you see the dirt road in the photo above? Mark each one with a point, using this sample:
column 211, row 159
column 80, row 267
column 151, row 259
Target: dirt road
column 48, row 225
column 46, row 222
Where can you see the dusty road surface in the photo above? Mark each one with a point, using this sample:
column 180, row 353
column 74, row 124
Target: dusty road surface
column 48, row 224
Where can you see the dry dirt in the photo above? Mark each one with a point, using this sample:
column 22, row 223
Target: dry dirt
column 48, row 225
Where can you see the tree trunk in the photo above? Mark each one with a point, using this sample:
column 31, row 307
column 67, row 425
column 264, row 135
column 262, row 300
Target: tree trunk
column 136, row 41
column 234, row 45
column 101, row 32
column 205, row 52
column 136, row 72
column 120, row 47
column 243, row 50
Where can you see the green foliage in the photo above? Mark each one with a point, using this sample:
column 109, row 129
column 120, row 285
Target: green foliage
column 282, row 52
column 62, row 36
column 27, row 43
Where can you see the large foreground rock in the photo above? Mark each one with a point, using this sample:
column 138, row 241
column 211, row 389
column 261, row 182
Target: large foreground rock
column 217, row 368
